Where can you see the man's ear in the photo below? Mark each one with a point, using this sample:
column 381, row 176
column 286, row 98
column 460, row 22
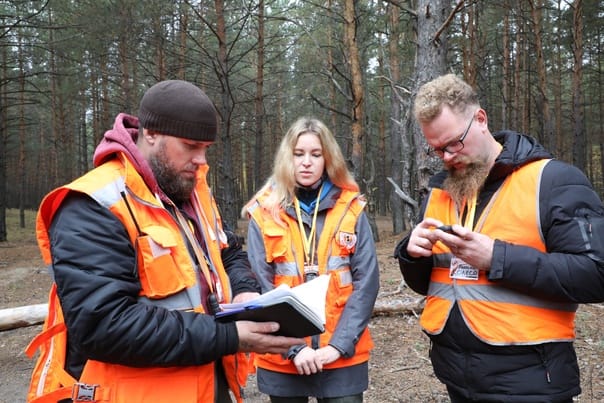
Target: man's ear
column 149, row 136
column 481, row 116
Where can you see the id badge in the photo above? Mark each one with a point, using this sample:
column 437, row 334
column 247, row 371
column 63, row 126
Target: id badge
column 311, row 271
column 460, row 270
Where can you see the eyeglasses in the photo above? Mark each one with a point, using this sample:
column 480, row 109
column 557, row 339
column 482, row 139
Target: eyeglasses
column 452, row 147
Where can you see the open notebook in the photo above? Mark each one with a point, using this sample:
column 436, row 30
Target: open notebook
column 300, row 310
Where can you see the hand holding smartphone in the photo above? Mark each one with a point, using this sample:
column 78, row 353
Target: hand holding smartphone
column 447, row 228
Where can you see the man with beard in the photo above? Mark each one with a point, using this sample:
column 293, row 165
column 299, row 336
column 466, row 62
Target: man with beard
column 525, row 247
column 141, row 261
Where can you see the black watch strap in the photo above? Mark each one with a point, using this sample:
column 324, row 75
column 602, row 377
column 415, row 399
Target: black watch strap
column 293, row 352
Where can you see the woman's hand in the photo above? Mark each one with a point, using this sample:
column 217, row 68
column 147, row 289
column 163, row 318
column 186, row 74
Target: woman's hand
column 308, row 362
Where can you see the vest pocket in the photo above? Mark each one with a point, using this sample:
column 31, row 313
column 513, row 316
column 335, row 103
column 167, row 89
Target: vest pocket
column 276, row 243
column 339, row 291
column 159, row 275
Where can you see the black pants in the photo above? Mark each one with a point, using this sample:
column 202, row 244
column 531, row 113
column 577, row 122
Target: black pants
column 304, row 399
column 457, row 397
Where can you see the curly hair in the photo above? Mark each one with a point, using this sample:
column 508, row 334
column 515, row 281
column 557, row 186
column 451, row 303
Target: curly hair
column 449, row 90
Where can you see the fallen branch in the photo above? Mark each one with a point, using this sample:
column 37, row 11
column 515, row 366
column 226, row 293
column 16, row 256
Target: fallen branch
column 398, row 306
column 409, row 367
column 30, row 315
column 22, row 316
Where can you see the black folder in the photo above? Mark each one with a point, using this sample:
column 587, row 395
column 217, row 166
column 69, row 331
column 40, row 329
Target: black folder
column 294, row 318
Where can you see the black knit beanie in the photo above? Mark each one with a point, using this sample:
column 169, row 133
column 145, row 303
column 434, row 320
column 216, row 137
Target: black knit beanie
column 178, row 108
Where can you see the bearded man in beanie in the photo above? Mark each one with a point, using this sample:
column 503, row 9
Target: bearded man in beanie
column 140, row 261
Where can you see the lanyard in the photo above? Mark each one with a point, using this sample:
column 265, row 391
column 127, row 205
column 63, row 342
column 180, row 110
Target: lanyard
column 471, row 212
column 471, row 205
column 204, row 264
column 308, row 242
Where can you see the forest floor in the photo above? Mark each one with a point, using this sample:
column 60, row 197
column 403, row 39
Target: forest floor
column 400, row 370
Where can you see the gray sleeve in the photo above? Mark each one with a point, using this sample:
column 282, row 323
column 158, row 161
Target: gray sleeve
column 366, row 283
column 256, row 251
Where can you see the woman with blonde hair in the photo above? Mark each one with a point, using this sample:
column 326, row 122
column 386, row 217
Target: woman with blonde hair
column 308, row 220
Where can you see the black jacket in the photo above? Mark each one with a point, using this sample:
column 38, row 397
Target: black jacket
column 572, row 270
column 97, row 283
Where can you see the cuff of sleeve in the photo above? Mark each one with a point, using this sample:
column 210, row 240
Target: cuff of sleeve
column 227, row 338
column 400, row 251
column 497, row 261
column 343, row 353
column 293, row 351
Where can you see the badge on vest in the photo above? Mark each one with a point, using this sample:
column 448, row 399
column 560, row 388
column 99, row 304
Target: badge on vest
column 348, row 240
column 460, row 270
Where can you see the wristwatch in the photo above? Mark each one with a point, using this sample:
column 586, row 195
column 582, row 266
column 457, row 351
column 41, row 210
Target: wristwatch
column 293, row 352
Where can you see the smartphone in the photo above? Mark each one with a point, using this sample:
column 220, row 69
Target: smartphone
column 446, row 228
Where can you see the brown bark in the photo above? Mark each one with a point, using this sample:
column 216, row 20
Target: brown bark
column 356, row 87
column 399, row 166
column 431, row 63
column 577, row 113
column 226, row 195
column 160, row 57
column 22, row 139
column 182, row 47
column 330, row 63
column 546, row 134
column 558, row 113
column 505, row 87
column 3, row 144
column 259, row 155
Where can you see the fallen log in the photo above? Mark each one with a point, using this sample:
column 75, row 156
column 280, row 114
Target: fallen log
column 414, row 307
column 29, row 315
column 22, row 316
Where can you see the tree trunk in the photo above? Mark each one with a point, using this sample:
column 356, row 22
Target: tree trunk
column 356, row 83
column 505, row 85
column 3, row 142
column 358, row 101
column 182, row 47
column 431, row 63
column 259, row 153
column 546, row 134
column 22, row 139
column 577, row 114
column 398, row 165
column 226, row 197
column 558, row 89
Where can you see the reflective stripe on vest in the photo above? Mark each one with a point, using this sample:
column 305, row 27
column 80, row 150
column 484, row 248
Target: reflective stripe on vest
column 495, row 314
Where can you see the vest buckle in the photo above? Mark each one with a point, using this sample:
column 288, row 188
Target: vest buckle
column 83, row 392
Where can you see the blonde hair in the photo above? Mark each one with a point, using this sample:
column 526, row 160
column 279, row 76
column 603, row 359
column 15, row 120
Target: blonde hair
column 449, row 90
column 282, row 182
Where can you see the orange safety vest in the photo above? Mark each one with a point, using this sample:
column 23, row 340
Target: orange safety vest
column 497, row 315
column 284, row 249
column 165, row 270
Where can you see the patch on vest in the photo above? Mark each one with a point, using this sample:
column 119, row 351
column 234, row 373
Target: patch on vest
column 348, row 240
column 460, row 270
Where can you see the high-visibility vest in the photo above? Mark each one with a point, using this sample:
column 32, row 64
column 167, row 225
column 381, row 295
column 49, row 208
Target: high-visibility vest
column 168, row 278
column 337, row 240
column 497, row 315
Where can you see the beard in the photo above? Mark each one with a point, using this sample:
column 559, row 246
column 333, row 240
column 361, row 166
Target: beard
column 466, row 183
column 177, row 188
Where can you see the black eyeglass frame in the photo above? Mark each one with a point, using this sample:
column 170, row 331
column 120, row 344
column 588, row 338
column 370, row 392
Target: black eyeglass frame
column 454, row 146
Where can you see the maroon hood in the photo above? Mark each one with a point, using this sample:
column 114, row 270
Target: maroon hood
column 122, row 139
